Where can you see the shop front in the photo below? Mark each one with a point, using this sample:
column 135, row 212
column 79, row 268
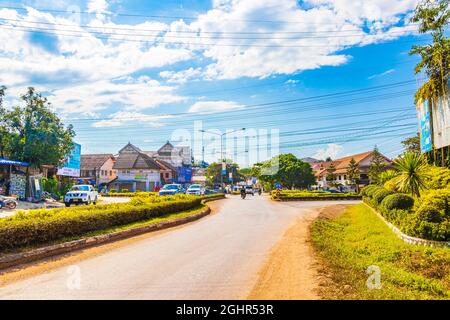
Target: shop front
column 13, row 178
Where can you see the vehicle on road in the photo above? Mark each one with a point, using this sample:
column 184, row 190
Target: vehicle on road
column 171, row 189
column 82, row 193
column 196, row 190
column 249, row 190
column 8, row 203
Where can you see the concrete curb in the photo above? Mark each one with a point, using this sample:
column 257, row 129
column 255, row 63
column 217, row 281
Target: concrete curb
column 54, row 250
column 316, row 199
column 409, row 239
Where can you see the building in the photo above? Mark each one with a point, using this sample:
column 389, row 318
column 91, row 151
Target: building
column 169, row 173
column 97, row 169
column 175, row 156
column 136, row 170
column 362, row 160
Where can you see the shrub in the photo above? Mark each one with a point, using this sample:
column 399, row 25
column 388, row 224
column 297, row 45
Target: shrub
column 438, row 177
column 398, row 201
column 380, row 194
column 44, row 225
column 367, row 191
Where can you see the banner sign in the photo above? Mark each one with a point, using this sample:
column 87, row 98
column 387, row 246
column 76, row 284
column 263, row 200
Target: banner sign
column 424, row 127
column 441, row 122
column 71, row 167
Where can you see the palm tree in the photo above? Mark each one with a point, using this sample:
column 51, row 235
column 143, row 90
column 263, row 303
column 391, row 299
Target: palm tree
column 411, row 173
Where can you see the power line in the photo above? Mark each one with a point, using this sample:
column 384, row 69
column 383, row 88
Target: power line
column 124, row 14
column 155, row 33
column 50, row 31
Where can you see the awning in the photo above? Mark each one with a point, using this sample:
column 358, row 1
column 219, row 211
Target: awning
column 13, row 163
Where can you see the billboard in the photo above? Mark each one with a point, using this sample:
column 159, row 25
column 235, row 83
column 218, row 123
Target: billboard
column 426, row 143
column 71, row 167
column 184, row 174
column 441, row 122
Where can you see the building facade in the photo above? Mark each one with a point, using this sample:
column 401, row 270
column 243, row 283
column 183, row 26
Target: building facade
column 136, row 171
column 97, row 169
column 362, row 161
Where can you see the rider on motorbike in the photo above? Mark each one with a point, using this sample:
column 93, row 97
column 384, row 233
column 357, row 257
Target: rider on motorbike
column 2, row 203
column 243, row 193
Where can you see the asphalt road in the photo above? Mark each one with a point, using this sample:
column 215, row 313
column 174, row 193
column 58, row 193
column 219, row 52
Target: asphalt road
column 217, row 257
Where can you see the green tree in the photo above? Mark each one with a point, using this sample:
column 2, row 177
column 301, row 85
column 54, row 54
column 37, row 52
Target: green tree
column 4, row 132
column 412, row 175
column 37, row 134
column 412, row 143
column 377, row 166
column 433, row 16
column 353, row 172
column 331, row 175
column 286, row 169
column 214, row 170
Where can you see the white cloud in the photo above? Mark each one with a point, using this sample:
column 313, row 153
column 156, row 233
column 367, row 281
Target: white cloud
column 97, row 6
column 378, row 75
column 214, row 106
column 121, row 118
column 332, row 150
column 133, row 94
column 181, row 76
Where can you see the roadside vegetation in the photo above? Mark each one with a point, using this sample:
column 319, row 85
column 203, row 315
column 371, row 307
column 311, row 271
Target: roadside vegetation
column 348, row 244
column 415, row 197
column 44, row 226
column 297, row 195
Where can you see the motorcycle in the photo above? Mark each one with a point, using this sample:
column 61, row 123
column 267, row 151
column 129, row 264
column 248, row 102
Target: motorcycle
column 243, row 194
column 8, row 203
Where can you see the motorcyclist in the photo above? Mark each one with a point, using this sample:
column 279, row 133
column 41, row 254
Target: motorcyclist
column 243, row 191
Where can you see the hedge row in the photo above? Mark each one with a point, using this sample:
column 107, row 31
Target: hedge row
column 43, row 225
column 293, row 195
column 130, row 194
column 427, row 217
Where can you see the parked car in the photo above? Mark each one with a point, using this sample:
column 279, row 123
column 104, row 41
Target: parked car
column 196, row 190
column 249, row 190
column 82, row 193
column 171, row 189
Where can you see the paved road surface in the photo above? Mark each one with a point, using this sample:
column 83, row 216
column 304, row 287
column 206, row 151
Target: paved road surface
column 217, row 257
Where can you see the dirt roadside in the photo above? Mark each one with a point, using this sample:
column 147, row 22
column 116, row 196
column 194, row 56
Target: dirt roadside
column 291, row 270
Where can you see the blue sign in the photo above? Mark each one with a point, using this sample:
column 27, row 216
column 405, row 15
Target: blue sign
column 426, row 143
column 224, row 172
column 71, row 167
column 184, row 175
column 278, row 185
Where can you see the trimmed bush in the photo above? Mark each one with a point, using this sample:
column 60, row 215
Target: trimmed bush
column 314, row 195
column 380, row 194
column 367, row 190
column 44, row 225
column 398, row 201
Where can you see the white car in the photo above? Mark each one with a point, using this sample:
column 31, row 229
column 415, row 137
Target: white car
column 249, row 190
column 82, row 193
column 196, row 190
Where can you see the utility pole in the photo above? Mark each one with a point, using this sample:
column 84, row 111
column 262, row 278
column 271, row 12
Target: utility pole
column 222, row 158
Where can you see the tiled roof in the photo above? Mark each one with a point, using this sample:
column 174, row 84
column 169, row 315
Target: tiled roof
column 135, row 161
column 343, row 163
column 93, row 161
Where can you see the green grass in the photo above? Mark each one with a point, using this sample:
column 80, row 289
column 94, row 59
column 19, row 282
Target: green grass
column 349, row 244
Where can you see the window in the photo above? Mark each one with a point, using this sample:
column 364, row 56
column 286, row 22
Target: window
column 167, row 175
column 110, row 172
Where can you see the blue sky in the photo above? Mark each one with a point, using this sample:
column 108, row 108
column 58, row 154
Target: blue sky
column 139, row 71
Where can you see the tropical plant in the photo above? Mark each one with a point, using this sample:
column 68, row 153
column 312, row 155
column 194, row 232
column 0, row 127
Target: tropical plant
column 433, row 16
column 387, row 175
column 411, row 173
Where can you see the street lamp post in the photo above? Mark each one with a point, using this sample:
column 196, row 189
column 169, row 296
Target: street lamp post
column 222, row 135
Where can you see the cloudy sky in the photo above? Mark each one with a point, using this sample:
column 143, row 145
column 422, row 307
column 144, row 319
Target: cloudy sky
column 334, row 77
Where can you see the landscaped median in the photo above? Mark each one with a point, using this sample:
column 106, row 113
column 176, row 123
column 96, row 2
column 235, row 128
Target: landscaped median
column 301, row 195
column 356, row 247
column 427, row 217
column 60, row 230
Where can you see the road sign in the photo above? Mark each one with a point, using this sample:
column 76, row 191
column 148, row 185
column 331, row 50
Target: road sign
column 278, row 185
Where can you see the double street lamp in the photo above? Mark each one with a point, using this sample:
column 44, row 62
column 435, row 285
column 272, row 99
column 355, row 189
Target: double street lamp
column 222, row 135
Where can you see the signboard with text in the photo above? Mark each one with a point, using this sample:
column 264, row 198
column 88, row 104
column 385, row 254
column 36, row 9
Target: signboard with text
column 71, row 168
